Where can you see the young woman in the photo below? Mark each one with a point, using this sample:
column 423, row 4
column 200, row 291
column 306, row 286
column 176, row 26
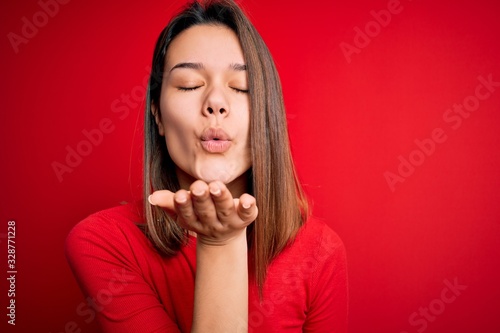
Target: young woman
column 223, row 241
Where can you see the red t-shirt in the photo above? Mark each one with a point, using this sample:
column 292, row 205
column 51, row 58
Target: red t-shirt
column 132, row 288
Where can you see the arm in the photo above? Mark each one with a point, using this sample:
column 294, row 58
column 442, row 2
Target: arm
column 329, row 302
column 117, row 294
column 221, row 287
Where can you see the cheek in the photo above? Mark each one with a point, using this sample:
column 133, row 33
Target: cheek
column 177, row 112
column 176, row 129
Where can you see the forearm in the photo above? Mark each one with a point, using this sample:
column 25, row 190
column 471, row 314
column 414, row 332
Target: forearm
column 221, row 287
column 220, row 222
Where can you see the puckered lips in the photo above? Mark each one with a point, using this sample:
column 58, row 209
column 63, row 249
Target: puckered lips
column 215, row 140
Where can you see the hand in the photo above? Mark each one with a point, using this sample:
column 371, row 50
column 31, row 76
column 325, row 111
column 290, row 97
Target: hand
column 209, row 210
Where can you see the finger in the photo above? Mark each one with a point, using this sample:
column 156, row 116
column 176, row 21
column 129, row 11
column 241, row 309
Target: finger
column 162, row 198
column 184, row 210
column 202, row 203
column 223, row 201
column 247, row 208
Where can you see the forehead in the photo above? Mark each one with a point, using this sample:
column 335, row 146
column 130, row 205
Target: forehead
column 211, row 45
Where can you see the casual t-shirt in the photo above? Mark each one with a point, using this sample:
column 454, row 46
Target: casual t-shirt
column 133, row 288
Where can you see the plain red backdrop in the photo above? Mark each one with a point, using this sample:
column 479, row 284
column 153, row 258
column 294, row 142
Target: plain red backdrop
column 351, row 116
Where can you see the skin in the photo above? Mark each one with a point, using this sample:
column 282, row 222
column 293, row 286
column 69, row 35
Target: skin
column 212, row 95
column 212, row 202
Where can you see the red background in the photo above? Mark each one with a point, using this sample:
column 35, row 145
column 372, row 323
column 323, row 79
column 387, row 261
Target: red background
column 349, row 124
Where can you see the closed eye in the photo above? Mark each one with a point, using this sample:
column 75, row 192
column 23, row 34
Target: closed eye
column 240, row 90
column 188, row 88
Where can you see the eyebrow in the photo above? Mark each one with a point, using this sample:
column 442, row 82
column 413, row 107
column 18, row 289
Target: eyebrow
column 198, row 66
column 238, row 67
column 192, row 65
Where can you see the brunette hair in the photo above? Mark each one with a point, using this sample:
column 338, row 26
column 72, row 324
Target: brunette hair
column 283, row 207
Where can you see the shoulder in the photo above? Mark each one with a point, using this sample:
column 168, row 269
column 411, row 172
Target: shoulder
column 319, row 253
column 314, row 247
column 115, row 229
column 308, row 279
column 316, row 238
column 117, row 266
column 325, row 273
column 107, row 222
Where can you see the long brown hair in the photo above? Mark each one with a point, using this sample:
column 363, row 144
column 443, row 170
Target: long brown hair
column 282, row 205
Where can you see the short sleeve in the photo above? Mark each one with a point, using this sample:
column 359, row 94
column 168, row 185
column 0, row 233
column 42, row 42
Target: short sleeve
column 117, row 293
column 328, row 307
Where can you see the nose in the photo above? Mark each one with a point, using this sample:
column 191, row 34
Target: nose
column 216, row 104
column 210, row 110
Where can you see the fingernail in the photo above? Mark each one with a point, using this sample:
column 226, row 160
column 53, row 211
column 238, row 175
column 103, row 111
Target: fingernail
column 150, row 201
column 198, row 192
column 215, row 190
column 181, row 198
column 246, row 205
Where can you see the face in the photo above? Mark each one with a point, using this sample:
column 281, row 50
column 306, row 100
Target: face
column 204, row 106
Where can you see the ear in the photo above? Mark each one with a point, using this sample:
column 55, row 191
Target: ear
column 157, row 115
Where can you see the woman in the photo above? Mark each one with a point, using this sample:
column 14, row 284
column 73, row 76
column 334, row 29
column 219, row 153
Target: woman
column 223, row 241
